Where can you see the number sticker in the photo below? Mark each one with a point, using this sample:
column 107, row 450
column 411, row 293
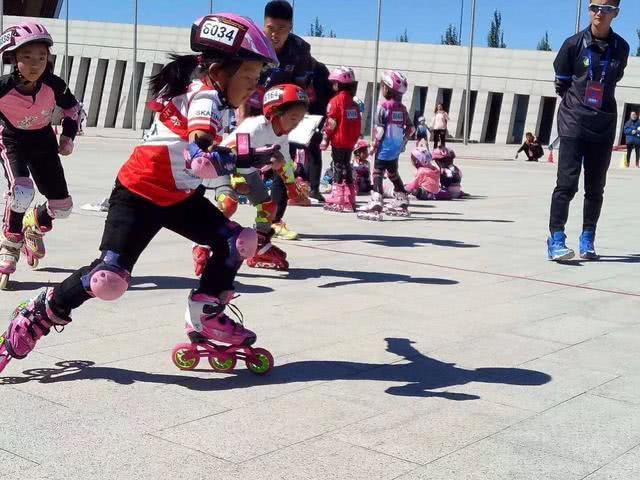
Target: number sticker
column 273, row 95
column 219, row 32
column 6, row 40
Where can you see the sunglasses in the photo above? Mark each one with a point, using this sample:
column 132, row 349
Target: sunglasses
column 604, row 9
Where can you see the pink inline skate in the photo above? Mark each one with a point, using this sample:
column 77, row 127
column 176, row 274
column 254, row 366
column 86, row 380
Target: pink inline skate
column 268, row 255
column 342, row 199
column 30, row 321
column 10, row 246
column 206, row 323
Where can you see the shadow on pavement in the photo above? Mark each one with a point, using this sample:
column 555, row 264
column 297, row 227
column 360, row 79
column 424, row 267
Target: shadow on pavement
column 354, row 277
column 419, row 375
column 386, row 240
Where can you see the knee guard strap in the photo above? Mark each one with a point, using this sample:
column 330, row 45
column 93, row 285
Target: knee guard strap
column 108, row 280
column 266, row 212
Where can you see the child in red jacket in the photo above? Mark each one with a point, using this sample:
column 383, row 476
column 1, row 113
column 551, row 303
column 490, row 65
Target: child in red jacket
column 342, row 131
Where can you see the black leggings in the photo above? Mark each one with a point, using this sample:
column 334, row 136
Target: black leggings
column 131, row 224
column 391, row 167
column 439, row 136
column 32, row 153
column 631, row 147
column 280, row 196
column 342, row 166
column 596, row 158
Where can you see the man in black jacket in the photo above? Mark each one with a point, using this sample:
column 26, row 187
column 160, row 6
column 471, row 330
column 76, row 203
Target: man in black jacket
column 299, row 67
column 588, row 67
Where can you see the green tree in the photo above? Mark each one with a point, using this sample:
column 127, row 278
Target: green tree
column 404, row 37
column 495, row 38
column 544, row 44
column 316, row 29
column 638, row 52
column 451, row 36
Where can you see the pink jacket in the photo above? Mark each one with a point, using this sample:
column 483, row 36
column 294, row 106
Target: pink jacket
column 440, row 121
column 427, row 178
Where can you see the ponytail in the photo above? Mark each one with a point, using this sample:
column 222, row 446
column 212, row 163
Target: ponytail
column 175, row 76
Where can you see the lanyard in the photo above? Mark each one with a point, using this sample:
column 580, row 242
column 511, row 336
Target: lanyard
column 605, row 67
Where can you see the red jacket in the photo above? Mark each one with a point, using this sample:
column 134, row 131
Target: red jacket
column 345, row 112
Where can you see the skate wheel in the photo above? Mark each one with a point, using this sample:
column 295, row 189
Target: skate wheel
column 185, row 356
column 222, row 363
column 265, row 362
column 33, row 262
column 4, row 281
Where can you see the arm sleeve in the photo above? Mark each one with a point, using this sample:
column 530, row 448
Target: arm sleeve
column 204, row 113
column 623, row 61
column 563, row 67
column 69, row 105
column 522, row 148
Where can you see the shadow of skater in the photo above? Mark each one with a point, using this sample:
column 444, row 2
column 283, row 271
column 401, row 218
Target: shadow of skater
column 387, row 240
column 161, row 282
column 354, row 277
column 421, row 375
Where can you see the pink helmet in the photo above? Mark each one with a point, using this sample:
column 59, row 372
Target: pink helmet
column 420, row 157
column 232, row 37
column 396, row 81
column 23, row 34
column 362, row 144
column 343, row 75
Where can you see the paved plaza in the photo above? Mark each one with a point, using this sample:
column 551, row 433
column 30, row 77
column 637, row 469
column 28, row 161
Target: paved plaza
column 438, row 347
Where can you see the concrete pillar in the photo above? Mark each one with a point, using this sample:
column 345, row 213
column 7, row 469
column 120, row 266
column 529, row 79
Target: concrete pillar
column 534, row 114
column 430, row 103
column 507, row 117
column 124, row 96
column 456, row 112
column 144, row 94
column 407, row 100
column 106, row 93
column 91, row 79
column 480, row 117
column 361, row 93
column 75, row 70
column 554, row 128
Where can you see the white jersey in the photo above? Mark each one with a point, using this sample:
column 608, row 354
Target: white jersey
column 261, row 133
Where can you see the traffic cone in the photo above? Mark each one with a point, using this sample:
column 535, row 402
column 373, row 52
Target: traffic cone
column 550, row 158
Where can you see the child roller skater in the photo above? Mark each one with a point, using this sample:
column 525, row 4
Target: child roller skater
column 160, row 187
column 341, row 131
column 284, row 108
column 391, row 134
column 28, row 97
column 361, row 167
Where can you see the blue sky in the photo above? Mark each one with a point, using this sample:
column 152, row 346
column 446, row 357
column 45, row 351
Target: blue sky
column 425, row 20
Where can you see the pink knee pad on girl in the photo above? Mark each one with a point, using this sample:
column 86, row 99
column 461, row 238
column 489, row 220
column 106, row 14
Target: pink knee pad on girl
column 247, row 242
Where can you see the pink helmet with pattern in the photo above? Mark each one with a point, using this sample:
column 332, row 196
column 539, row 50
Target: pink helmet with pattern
column 396, row 81
column 361, row 144
column 420, row 157
column 343, row 75
column 232, row 37
column 23, row 34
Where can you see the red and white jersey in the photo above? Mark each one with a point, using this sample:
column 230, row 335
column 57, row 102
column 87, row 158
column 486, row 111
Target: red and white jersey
column 157, row 169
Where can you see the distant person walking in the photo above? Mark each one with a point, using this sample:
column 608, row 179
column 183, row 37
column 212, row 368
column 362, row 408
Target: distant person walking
column 632, row 131
column 439, row 127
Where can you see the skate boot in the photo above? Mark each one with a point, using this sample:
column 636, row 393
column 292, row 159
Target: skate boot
column 373, row 209
column 206, row 323
column 268, row 256
column 282, row 231
column 338, row 198
column 557, row 249
column 587, row 245
column 298, row 194
column 352, row 196
column 399, row 206
column 33, row 247
column 30, row 321
column 10, row 246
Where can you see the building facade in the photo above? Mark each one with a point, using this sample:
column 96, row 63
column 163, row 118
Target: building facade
column 512, row 91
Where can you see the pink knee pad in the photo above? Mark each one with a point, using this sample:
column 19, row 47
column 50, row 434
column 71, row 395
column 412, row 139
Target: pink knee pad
column 108, row 285
column 247, row 242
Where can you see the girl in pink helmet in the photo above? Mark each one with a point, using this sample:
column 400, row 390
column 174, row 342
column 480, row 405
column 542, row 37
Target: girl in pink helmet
column 30, row 151
column 342, row 130
column 160, row 186
column 390, row 136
